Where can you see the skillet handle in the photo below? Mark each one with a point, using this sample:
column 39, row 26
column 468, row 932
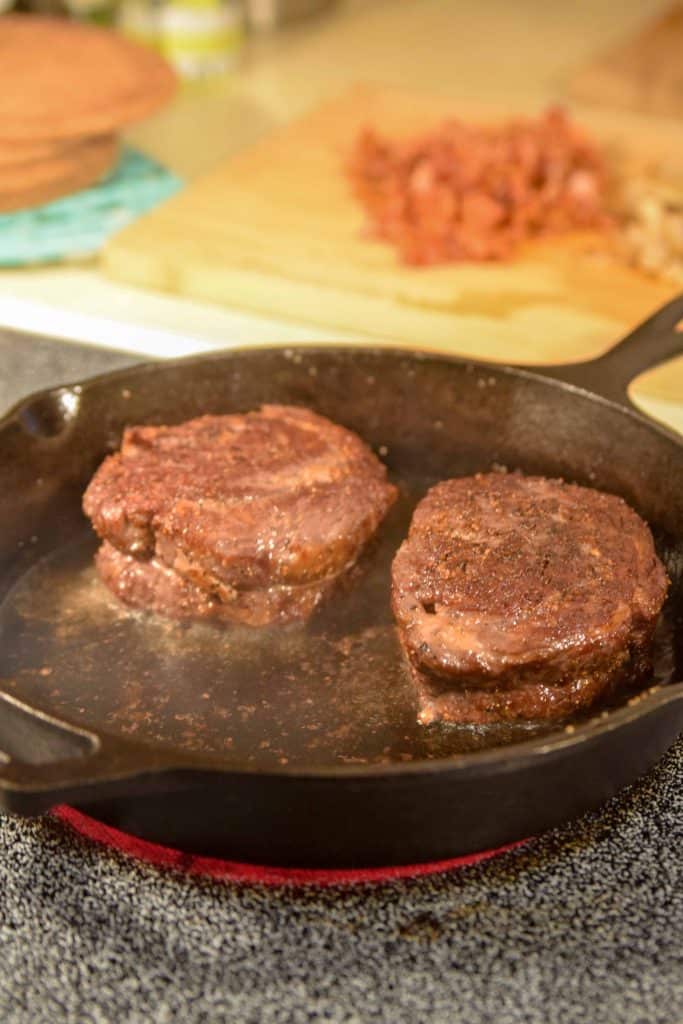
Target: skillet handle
column 657, row 339
column 44, row 762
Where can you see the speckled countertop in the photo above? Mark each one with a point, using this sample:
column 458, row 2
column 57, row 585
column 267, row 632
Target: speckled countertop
column 582, row 925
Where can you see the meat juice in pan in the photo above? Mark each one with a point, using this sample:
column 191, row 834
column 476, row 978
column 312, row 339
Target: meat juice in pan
column 332, row 691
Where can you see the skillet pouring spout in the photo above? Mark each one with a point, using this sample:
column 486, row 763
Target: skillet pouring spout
column 300, row 746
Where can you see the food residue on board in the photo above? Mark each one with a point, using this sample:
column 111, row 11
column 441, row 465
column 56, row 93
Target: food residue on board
column 650, row 210
column 468, row 192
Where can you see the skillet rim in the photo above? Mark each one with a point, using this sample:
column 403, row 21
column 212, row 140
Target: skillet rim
column 550, row 373
column 160, row 758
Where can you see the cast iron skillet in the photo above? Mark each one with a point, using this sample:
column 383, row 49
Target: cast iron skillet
column 298, row 745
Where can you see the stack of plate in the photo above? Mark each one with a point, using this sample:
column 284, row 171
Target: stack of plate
column 66, row 90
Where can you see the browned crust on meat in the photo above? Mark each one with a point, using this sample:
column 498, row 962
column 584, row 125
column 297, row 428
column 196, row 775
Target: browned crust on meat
column 257, row 513
column 294, row 538
column 164, row 475
column 521, row 597
column 149, row 584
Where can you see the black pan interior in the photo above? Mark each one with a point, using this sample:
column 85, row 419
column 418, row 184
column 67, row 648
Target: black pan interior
column 334, row 691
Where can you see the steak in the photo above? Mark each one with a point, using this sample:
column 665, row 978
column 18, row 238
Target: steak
column 247, row 517
column 522, row 598
column 148, row 583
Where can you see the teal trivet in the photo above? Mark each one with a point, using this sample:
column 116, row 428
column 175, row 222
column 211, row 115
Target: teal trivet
column 79, row 224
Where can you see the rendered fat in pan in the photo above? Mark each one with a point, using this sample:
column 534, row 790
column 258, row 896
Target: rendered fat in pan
column 300, row 746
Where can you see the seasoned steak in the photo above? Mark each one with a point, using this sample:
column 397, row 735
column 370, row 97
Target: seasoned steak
column 256, row 514
column 521, row 598
column 148, row 583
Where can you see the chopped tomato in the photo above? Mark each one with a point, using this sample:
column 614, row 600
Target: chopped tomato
column 474, row 193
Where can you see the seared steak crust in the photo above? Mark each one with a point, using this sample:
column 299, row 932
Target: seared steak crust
column 523, row 598
column 256, row 513
column 149, row 583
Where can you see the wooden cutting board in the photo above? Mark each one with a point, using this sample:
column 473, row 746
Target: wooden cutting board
column 276, row 230
column 643, row 73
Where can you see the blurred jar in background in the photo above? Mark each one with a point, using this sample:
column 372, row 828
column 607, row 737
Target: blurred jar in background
column 198, row 37
column 139, row 19
column 102, row 12
column 268, row 14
